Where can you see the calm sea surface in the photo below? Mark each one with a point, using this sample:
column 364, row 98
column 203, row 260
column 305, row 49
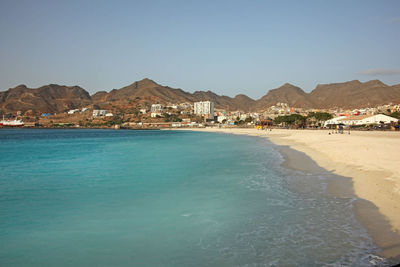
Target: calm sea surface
column 166, row 198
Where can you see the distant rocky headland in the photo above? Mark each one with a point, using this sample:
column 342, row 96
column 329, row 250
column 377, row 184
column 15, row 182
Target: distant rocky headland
column 55, row 98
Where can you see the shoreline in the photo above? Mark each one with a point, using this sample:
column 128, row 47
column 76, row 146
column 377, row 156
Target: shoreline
column 368, row 159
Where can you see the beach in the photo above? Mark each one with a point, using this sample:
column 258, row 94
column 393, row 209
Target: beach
column 370, row 159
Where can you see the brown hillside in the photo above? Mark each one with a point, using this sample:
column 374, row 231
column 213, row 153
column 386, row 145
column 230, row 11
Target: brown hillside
column 145, row 89
column 149, row 91
column 49, row 98
column 223, row 102
column 354, row 94
column 245, row 103
column 287, row 93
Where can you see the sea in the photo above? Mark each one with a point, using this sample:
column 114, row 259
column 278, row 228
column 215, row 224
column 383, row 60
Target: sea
column 91, row 197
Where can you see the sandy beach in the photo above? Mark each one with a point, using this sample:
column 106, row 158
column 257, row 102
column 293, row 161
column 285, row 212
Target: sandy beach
column 370, row 159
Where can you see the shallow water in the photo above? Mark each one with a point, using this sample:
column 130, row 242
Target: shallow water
column 166, row 198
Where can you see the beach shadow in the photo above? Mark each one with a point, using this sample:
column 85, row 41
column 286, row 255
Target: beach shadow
column 377, row 225
column 379, row 228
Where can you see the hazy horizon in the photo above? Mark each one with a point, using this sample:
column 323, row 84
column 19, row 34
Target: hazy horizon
column 228, row 47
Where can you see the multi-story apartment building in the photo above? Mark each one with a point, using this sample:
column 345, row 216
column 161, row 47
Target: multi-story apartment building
column 157, row 108
column 204, row 108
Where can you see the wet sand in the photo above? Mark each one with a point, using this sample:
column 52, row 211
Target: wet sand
column 371, row 160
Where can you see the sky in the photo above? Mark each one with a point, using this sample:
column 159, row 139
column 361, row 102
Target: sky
column 228, row 47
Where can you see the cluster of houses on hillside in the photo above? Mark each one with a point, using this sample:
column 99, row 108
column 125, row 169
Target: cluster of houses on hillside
column 207, row 110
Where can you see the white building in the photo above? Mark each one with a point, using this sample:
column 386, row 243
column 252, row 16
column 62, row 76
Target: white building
column 204, row 108
column 157, row 108
column 176, row 125
column 99, row 112
column 221, row 118
column 72, row 111
column 243, row 116
column 361, row 120
column 155, row 114
column 173, row 106
column 368, row 120
column 334, row 121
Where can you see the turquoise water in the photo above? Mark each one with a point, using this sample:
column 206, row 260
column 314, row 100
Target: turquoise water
column 166, row 198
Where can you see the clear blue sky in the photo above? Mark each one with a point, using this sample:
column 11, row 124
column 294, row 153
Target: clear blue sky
column 228, row 47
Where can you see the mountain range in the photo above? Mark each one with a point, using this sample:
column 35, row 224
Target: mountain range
column 55, row 98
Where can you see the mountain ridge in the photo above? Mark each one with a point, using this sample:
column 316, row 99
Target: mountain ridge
column 53, row 98
column 46, row 99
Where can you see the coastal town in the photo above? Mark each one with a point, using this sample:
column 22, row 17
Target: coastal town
column 203, row 113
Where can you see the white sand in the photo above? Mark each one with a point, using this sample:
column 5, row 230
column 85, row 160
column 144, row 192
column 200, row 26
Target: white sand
column 371, row 159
